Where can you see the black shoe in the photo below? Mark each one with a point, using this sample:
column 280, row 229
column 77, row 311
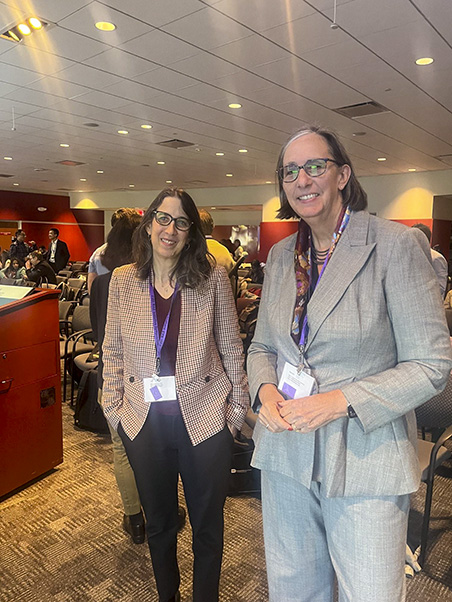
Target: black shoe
column 181, row 514
column 134, row 525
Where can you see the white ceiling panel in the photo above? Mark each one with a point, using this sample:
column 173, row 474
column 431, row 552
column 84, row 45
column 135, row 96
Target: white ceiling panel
column 83, row 22
column 88, row 76
column 177, row 64
column 306, row 34
column 287, row 72
column 205, row 67
column 67, row 44
column 155, row 44
column 120, row 63
column 41, row 62
column 52, row 10
column 439, row 13
column 159, row 13
column 251, row 51
column 250, row 13
column 208, row 29
column 362, row 17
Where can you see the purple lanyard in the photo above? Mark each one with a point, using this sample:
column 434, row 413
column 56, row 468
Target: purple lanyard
column 305, row 328
column 159, row 338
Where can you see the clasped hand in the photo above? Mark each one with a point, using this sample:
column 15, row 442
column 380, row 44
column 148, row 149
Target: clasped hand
column 305, row 414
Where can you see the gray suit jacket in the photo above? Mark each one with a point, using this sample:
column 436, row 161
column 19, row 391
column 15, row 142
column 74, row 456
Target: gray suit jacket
column 377, row 332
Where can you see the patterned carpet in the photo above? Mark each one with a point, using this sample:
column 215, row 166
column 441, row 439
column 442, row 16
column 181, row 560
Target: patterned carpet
column 61, row 538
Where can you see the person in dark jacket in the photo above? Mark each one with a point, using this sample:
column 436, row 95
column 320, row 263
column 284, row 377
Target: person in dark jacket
column 58, row 253
column 19, row 248
column 38, row 270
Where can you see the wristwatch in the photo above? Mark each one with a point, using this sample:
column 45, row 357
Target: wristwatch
column 351, row 412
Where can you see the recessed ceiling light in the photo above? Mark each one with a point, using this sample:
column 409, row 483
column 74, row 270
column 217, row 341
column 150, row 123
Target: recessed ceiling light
column 235, row 105
column 35, row 23
column 82, row 179
column 424, row 61
column 131, row 185
column 229, row 175
column 243, row 150
column 64, row 145
column 381, row 159
column 105, row 26
column 268, row 182
column 100, row 171
column 412, row 169
column 160, row 162
column 15, row 184
column 219, row 154
column 213, row 207
column 8, row 158
column 146, row 126
column 169, row 181
column 359, row 134
column 123, row 132
column 24, row 29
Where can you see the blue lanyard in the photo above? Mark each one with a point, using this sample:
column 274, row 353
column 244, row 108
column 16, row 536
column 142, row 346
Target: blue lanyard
column 159, row 338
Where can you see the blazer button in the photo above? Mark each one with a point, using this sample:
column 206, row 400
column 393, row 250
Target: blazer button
column 131, row 379
column 207, row 379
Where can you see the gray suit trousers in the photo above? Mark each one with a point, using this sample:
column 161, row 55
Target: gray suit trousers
column 310, row 539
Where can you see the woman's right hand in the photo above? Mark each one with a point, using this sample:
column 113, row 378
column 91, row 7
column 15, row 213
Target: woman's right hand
column 269, row 412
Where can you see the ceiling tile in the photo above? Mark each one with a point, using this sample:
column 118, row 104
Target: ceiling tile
column 42, row 62
column 251, row 51
column 120, row 63
column 88, row 76
column 159, row 13
column 205, row 67
column 67, row 44
column 155, row 45
column 250, row 13
column 164, row 79
column 207, row 29
column 83, row 21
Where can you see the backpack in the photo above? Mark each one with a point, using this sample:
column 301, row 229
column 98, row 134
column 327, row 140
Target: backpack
column 244, row 479
column 88, row 414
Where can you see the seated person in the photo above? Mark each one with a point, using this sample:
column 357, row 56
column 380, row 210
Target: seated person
column 38, row 270
column 15, row 270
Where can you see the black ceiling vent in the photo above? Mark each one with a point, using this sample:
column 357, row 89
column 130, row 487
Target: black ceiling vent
column 6, row 175
column 175, row 143
column 197, row 182
column 362, row 109
column 444, row 157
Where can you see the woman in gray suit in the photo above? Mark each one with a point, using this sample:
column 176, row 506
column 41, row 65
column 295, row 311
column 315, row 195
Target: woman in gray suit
column 336, row 367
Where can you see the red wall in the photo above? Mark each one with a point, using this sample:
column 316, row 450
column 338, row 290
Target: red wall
column 81, row 229
column 273, row 232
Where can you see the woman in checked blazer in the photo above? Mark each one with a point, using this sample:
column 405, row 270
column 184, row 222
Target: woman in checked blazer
column 174, row 385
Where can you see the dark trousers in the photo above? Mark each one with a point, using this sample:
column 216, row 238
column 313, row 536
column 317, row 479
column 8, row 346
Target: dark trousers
column 160, row 452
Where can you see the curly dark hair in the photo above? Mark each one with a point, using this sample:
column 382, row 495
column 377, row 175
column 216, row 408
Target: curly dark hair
column 195, row 263
column 119, row 239
column 353, row 194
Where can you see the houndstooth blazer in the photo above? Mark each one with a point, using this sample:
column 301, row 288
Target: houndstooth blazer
column 211, row 384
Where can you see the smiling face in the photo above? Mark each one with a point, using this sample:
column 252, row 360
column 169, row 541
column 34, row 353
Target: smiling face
column 315, row 199
column 167, row 241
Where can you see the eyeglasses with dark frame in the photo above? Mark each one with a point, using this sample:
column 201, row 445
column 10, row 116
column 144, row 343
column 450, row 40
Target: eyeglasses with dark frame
column 164, row 219
column 313, row 168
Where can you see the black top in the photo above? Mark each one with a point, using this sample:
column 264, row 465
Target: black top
column 19, row 249
column 42, row 272
column 98, row 303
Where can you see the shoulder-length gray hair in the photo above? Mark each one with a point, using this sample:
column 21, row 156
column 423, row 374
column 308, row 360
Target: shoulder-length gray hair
column 353, row 194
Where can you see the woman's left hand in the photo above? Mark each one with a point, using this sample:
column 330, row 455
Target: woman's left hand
column 307, row 414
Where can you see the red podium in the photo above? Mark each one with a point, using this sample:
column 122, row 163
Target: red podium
column 31, row 438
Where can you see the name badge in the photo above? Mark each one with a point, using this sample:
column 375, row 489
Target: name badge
column 159, row 388
column 294, row 384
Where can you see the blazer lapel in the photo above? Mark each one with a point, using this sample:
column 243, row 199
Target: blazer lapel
column 347, row 260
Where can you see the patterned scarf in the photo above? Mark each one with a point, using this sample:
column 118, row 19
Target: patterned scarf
column 303, row 267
